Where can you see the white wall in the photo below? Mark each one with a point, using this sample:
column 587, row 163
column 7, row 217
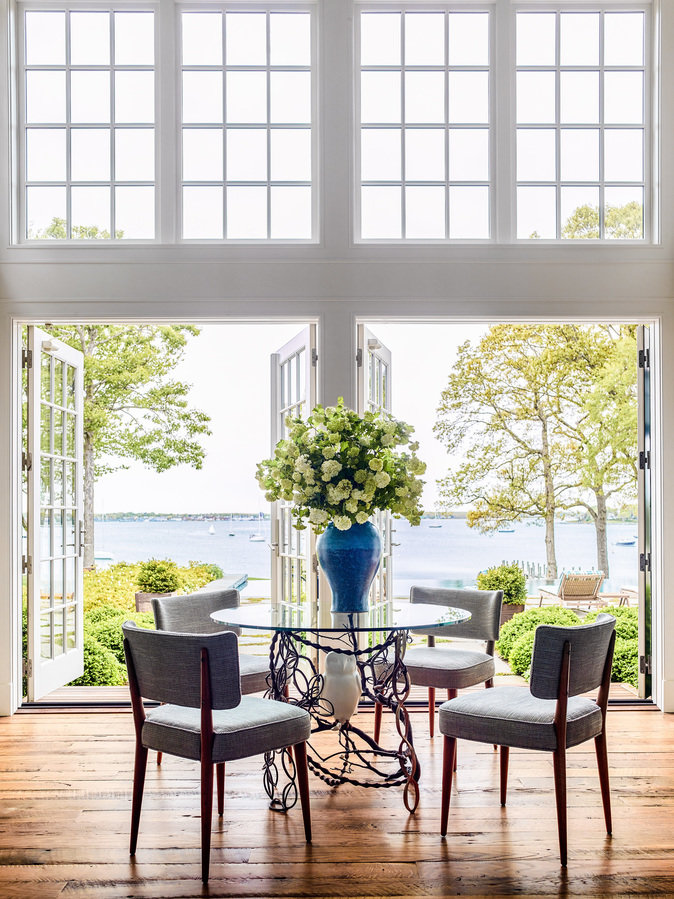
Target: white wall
column 337, row 283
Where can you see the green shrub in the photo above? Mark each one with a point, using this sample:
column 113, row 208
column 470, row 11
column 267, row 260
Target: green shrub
column 627, row 621
column 113, row 586
column 625, row 668
column 509, row 578
column 528, row 621
column 108, row 631
column 101, row 668
column 520, row 654
column 198, row 574
column 158, row 576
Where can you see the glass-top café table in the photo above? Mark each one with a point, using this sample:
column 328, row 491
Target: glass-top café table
column 366, row 649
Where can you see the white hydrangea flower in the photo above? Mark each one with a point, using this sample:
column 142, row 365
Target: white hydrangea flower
column 330, row 468
column 329, row 452
column 342, row 522
column 318, row 516
column 376, row 464
column 381, row 479
column 361, row 517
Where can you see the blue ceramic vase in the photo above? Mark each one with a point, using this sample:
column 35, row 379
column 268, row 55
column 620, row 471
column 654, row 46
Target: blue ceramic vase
column 350, row 560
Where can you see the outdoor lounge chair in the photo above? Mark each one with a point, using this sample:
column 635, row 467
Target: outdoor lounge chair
column 550, row 714
column 576, row 588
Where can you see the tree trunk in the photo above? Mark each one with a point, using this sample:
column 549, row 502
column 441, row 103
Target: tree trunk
column 88, row 501
column 600, row 531
column 550, row 554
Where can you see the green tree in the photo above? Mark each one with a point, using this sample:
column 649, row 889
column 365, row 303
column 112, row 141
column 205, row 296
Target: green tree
column 133, row 409
column 544, row 416
column 620, row 222
column 57, row 230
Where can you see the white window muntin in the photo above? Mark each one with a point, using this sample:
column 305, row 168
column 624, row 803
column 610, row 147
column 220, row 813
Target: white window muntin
column 645, row 183
column 269, row 184
column 66, row 183
column 446, row 184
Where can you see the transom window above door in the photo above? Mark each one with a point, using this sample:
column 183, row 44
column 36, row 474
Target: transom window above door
column 424, row 125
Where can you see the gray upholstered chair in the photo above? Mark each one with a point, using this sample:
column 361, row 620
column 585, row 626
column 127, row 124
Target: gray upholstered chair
column 450, row 667
column 549, row 714
column 191, row 614
column 204, row 716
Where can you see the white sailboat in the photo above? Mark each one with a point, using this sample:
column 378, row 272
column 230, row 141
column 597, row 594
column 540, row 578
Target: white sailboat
column 258, row 536
column 211, row 530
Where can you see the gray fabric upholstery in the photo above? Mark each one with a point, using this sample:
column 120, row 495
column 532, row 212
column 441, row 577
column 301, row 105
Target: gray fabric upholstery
column 484, row 607
column 589, row 645
column 448, row 668
column 511, row 716
column 191, row 614
column 168, row 665
column 255, row 726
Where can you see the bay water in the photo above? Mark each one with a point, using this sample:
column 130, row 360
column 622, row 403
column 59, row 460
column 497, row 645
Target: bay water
column 439, row 552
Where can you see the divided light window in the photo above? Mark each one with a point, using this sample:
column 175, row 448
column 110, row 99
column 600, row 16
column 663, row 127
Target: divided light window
column 247, row 142
column 582, row 111
column 87, row 113
column 424, row 124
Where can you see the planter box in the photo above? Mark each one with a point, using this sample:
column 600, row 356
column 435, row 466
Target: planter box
column 144, row 600
column 507, row 611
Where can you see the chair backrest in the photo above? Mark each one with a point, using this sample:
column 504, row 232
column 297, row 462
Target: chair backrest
column 580, row 586
column 191, row 613
column 168, row 665
column 589, row 645
column 483, row 605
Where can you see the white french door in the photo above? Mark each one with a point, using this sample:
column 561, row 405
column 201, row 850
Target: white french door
column 644, row 513
column 55, row 509
column 374, row 395
column 293, row 388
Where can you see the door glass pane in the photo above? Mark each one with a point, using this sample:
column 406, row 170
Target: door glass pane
column 45, row 389
column 59, row 533
column 70, row 386
column 70, row 579
column 58, row 632
column 45, row 636
column 71, row 632
column 45, row 482
column 58, row 581
column 71, row 469
column 45, row 585
column 45, row 533
column 58, row 382
column 58, row 432
column 70, row 435
column 45, row 429
column 58, row 483
column 70, row 531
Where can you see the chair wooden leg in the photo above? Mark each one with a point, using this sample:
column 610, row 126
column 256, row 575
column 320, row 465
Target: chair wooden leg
column 139, row 768
column 159, row 757
column 505, row 755
column 220, row 773
column 602, row 764
column 448, row 757
column 451, row 694
column 559, row 762
column 206, row 815
column 303, row 785
column 431, row 711
column 378, row 709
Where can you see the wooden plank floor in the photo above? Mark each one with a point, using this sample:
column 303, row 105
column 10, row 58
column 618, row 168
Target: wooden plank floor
column 65, row 794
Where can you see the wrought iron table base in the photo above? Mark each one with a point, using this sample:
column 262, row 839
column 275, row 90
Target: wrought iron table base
column 383, row 679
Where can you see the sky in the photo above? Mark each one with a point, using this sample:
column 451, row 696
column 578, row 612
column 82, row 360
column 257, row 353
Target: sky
column 228, row 367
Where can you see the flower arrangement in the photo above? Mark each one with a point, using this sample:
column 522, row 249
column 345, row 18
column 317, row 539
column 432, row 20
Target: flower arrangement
column 338, row 467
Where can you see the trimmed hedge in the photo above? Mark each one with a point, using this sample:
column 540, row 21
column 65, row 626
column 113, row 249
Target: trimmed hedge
column 101, row 668
column 509, row 578
column 524, row 622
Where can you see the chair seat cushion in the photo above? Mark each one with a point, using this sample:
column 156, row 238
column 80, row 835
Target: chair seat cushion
column 255, row 726
column 254, row 671
column 449, row 668
column 511, row 716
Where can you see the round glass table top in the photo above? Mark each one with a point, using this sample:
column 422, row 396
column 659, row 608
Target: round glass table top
column 395, row 615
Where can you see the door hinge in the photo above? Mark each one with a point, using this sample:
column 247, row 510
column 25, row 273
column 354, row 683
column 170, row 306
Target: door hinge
column 314, row 357
column 26, row 461
column 644, row 561
column 644, row 358
column 26, row 564
column 26, row 358
column 359, row 357
column 645, row 664
column 644, row 459
column 27, row 668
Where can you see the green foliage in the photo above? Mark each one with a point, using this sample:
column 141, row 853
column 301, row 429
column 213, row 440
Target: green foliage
column 509, row 578
column 158, row 576
column 338, row 467
column 198, row 574
column 108, row 631
column 527, row 622
column 521, row 652
column 57, row 230
column 620, row 222
column 114, row 586
column 101, row 668
column 625, row 668
column 627, row 621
